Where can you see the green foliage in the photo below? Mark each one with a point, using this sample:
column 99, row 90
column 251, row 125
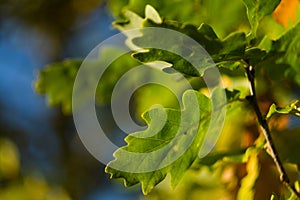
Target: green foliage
column 181, row 129
column 223, row 52
column 230, row 53
column 288, row 46
column 57, row 79
column 190, row 11
column 282, row 60
column 293, row 108
column 57, row 82
column 275, row 67
column 258, row 9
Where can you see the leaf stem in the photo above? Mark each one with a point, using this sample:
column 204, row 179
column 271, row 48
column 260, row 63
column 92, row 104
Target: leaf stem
column 266, row 131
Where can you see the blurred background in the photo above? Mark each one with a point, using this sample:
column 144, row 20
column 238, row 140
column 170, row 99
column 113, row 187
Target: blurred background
column 41, row 156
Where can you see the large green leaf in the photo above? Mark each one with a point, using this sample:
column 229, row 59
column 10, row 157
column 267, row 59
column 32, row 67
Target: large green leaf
column 257, row 9
column 223, row 52
column 182, row 136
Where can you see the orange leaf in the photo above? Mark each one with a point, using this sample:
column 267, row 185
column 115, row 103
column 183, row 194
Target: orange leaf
column 285, row 12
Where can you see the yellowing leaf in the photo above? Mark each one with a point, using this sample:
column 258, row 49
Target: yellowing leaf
column 285, row 12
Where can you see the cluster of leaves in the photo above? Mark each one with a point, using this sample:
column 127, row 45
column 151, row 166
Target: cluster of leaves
column 241, row 146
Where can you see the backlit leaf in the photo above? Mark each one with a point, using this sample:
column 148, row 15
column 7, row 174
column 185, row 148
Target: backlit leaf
column 224, row 53
column 293, row 109
column 169, row 139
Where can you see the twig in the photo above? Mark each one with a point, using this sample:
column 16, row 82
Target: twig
column 267, row 134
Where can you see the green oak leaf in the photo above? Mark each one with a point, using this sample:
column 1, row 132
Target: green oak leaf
column 225, row 53
column 152, row 14
column 293, row 109
column 56, row 81
column 288, row 47
column 204, row 34
column 137, row 6
column 190, row 11
column 176, row 61
column 255, row 55
column 257, row 9
column 170, row 133
column 232, row 48
column 228, row 49
column 281, row 60
column 133, row 20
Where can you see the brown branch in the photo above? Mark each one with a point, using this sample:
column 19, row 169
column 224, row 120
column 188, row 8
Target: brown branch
column 267, row 134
